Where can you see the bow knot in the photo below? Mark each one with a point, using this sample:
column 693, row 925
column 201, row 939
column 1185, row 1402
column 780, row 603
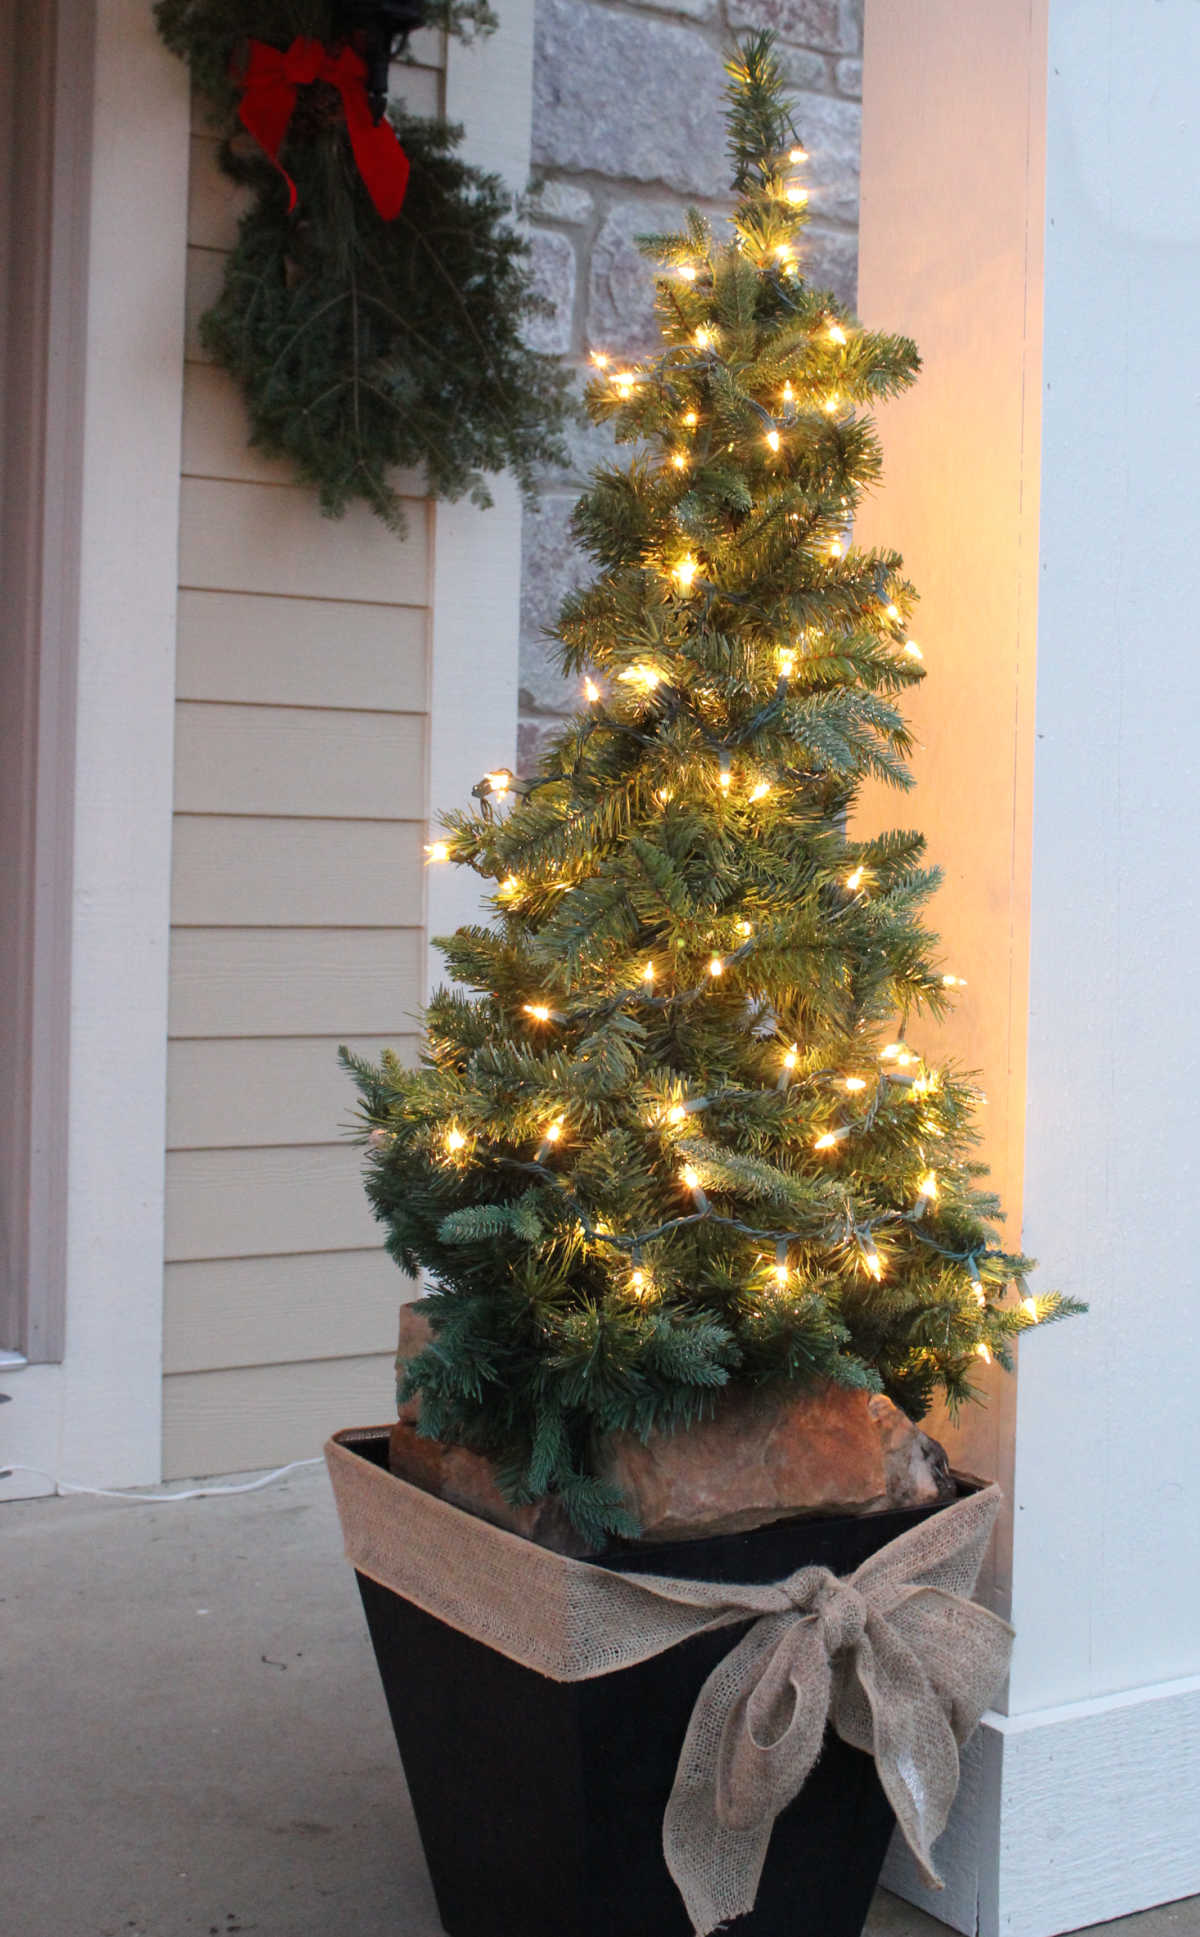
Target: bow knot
column 841, row 1615
column 270, row 81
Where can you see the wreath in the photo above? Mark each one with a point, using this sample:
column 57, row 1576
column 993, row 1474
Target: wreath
column 373, row 305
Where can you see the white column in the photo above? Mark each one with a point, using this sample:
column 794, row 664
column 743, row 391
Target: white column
column 1031, row 214
column 97, row 1416
column 477, row 553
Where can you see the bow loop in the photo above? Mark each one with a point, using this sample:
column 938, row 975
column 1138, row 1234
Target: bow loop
column 270, row 83
column 302, row 62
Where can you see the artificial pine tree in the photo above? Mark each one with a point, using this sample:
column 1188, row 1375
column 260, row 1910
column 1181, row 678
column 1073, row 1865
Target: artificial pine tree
column 671, row 1132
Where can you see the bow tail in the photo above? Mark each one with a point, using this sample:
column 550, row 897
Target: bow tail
column 265, row 108
column 753, row 1737
column 378, row 155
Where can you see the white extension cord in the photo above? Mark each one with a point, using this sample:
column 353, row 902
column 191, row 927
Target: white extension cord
column 64, row 1488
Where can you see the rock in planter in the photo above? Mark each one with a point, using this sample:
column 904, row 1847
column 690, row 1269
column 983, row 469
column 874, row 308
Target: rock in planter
column 413, row 1335
column 468, row 1480
column 773, row 1453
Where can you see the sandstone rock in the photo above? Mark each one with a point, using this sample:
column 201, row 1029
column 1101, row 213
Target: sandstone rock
column 772, row 1454
column 918, row 1471
column 644, row 102
column 412, row 1336
column 468, row 1480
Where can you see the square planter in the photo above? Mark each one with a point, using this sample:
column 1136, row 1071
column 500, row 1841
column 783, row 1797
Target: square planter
column 540, row 1803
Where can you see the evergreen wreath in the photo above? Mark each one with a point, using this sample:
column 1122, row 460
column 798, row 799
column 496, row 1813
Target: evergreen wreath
column 362, row 345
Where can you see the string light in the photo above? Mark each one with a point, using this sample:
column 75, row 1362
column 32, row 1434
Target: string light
column 624, row 381
column 553, row 1131
column 680, row 460
column 982, row 1352
column 686, row 271
column 796, row 194
column 928, row 1186
column 872, row 1262
column 773, row 440
column 438, row 851
column 787, row 662
column 913, row 649
column 893, row 613
column 791, row 1057
column 648, row 972
column 591, row 692
column 854, row 881
column 538, row 1011
column 854, row 1083
column 500, row 782
column 761, row 790
column 976, row 1283
column 600, row 360
column 638, row 1281
column 455, row 1141
column 836, row 333
column 1030, row 1307
column 725, row 777
column 789, row 396
column 798, row 155
column 690, row 1181
column 691, row 419
column 744, row 927
column 645, row 678
column 704, row 337
column 832, row 404
column 836, row 548
column 662, row 795
column 829, row 1138
column 509, row 885
column 953, row 982
column 677, row 1113
column 685, row 571
column 716, row 966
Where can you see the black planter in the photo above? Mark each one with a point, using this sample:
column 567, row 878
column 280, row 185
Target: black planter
column 540, row 1803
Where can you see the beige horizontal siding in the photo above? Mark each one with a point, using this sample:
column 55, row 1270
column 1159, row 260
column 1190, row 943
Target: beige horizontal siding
column 252, row 650
column 222, row 1094
column 294, row 982
column 298, row 894
column 263, row 1202
column 299, row 760
column 229, row 1422
column 324, row 1304
column 272, row 538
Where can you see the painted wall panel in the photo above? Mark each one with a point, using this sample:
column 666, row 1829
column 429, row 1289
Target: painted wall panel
column 299, row 760
column 272, row 538
column 248, row 1203
column 245, row 648
column 293, row 982
column 224, row 1093
column 227, row 1422
column 260, row 1311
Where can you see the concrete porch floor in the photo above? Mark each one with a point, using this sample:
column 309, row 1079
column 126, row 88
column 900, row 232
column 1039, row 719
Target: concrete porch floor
column 194, row 1738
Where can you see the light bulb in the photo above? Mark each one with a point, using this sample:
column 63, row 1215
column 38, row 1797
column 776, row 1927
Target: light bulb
column 689, row 1178
column 853, row 1083
column 1029, row 1307
column 873, row 1264
column 624, row 381
column 832, row 404
column 690, row 419
column 836, row 333
column 724, row 779
column 791, row 1057
column 716, row 966
column 676, row 1113
column 704, row 338
column 648, row 972
column 538, row 1011
column 455, row 1140
column 600, row 360
column 509, row 885
column 645, row 678
column 827, row 1140
column 789, row 396
column 981, row 1351
column 773, row 440
column 893, row 613
column 953, row 982
column 744, row 927
column 913, row 649
column 761, row 790
column 836, row 548
column 928, row 1186
column 890, row 1051
column 662, row 795
column 781, row 1273
column 637, row 1279
column 499, row 782
column 797, row 155
column 553, row 1131
column 685, row 571
column 591, row 692
column 438, row 851
column 796, row 194
column 686, row 271
column 787, row 663
column 679, row 460
column 854, row 880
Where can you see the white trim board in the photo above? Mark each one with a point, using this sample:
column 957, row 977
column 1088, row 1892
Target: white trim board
column 1069, row 1817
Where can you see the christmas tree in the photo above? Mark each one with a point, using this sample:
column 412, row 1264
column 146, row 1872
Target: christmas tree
column 671, row 1130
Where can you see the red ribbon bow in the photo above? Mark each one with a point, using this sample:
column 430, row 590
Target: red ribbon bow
column 270, row 83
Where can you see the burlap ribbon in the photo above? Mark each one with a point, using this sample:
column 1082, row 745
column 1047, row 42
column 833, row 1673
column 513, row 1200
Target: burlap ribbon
column 896, row 1657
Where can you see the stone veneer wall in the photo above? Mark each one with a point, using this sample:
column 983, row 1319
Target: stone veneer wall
column 627, row 131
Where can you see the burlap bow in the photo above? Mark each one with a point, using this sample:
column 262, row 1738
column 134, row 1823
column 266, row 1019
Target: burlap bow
column 896, row 1657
